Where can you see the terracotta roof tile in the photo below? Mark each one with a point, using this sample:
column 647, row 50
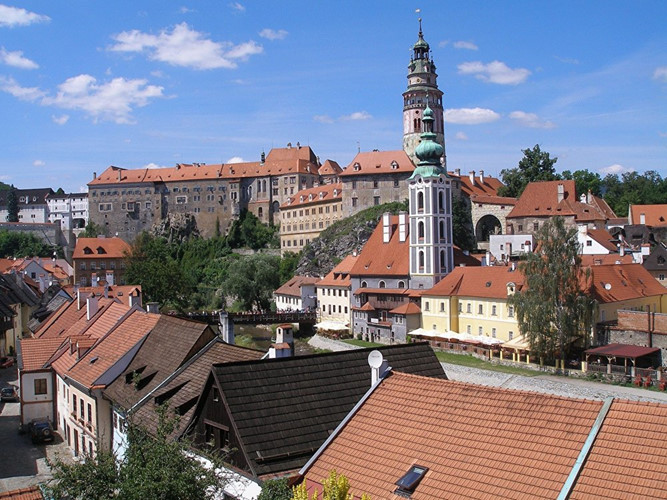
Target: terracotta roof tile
column 314, row 195
column 654, row 215
column 478, row 442
column 31, row 493
column 330, row 167
column 603, row 237
column 339, row 275
column 34, row 353
column 100, row 248
column 612, row 258
column 487, row 282
column 293, row 286
column 379, row 162
column 384, row 259
column 407, row 308
column 614, row 283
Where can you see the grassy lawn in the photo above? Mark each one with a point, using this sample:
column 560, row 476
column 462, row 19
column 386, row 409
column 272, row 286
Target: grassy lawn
column 362, row 343
column 473, row 362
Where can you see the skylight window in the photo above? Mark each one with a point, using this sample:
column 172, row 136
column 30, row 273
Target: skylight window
column 410, row 481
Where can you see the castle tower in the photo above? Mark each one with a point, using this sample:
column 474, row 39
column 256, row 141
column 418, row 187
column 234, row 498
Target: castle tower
column 430, row 189
column 422, row 91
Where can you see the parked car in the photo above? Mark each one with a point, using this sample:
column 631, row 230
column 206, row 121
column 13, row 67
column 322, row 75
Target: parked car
column 6, row 362
column 8, row 394
column 41, row 430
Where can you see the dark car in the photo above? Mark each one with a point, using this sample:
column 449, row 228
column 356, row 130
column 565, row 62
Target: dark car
column 8, row 394
column 6, row 362
column 41, row 430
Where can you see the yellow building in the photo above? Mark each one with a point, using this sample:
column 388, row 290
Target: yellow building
column 473, row 300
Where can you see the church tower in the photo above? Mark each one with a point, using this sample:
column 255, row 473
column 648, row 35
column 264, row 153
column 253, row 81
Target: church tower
column 430, row 189
column 422, row 91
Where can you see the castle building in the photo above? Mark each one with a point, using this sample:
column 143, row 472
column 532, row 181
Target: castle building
column 422, row 92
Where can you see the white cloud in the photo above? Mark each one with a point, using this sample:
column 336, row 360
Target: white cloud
column 5, row 177
column 13, row 16
column 186, row 10
column 113, row 100
column 10, row 86
column 237, row 6
column 38, row 163
column 153, row 166
column 660, row 73
column 662, row 134
column 461, row 136
column 323, row 119
column 615, row 169
column 270, row 34
column 60, row 120
column 236, row 159
column 567, row 60
column 185, row 47
column 16, row 59
column 357, row 115
column 465, row 45
column 530, row 120
column 494, row 72
column 443, row 43
column 471, row 116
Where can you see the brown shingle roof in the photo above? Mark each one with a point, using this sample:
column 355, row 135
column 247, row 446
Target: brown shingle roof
column 384, row 259
column 100, row 248
column 379, row 162
column 476, row 441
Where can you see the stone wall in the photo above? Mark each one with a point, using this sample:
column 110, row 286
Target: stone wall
column 364, row 191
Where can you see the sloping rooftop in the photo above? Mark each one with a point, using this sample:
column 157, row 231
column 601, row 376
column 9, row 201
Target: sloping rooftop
column 379, row 162
column 622, row 350
column 476, row 441
column 100, row 248
column 613, row 283
column 293, row 286
column 384, row 259
column 330, row 167
column 486, row 282
column 339, row 275
column 284, row 409
column 34, row 353
column 654, row 215
column 325, row 193
column 603, row 237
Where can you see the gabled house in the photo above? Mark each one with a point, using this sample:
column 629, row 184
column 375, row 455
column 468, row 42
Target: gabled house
column 296, row 294
column 21, row 299
column 595, row 241
column 271, row 415
column 97, row 259
column 334, row 296
column 656, row 263
column 425, row 438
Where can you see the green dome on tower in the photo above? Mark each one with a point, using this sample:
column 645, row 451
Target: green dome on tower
column 428, row 151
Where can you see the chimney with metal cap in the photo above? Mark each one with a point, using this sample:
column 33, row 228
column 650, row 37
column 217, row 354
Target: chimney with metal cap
column 561, row 193
column 386, row 227
column 472, row 177
column 402, row 226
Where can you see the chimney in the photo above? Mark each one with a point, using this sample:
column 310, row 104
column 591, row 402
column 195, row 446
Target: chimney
column 92, row 305
column 561, row 193
column 120, row 175
column 79, row 300
column 481, row 176
column 153, row 307
column 298, row 145
column 457, row 171
column 488, row 258
column 472, row 177
column 262, row 158
column 582, row 198
column 621, row 249
column 106, row 290
column 94, row 175
column 642, row 218
column 402, row 226
column 226, row 327
column 134, row 299
column 386, row 227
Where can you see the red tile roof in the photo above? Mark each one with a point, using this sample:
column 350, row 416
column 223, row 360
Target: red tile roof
column 488, row 188
column 325, row 193
column 486, row 282
column 339, row 275
column 30, row 493
column 330, row 167
column 612, row 258
column 622, row 350
column 100, row 248
column 293, row 286
column 614, row 283
column 407, row 308
column 603, row 237
column 654, row 215
column 379, row 162
column 476, row 441
column 36, row 352
column 120, row 292
column 384, row 259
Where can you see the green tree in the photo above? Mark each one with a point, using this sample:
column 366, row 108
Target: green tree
column 154, row 467
column 553, row 310
column 252, row 280
column 288, row 264
column 249, row 232
column 151, row 265
column 12, row 205
column 276, row 489
column 334, row 487
column 585, row 181
column 632, row 188
column 91, row 230
column 18, row 244
column 462, row 231
column 536, row 165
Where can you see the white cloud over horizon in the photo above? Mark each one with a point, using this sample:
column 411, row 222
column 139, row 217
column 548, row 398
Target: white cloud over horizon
column 235, row 159
column 462, row 44
column 185, row 47
column 531, row 120
column 461, row 136
column 152, row 166
column 660, row 74
column 13, row 16
column 38, row 163
column 471, row 116
column 323, row 119
column 109, row 101
column 60, row 120
column 237, row 6
column 270, row 34
column 494, row 72
column 615, row 169
column 357, row 115
column 16, row 59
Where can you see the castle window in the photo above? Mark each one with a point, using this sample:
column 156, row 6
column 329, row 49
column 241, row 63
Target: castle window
column 420, row 202
column 420, row 230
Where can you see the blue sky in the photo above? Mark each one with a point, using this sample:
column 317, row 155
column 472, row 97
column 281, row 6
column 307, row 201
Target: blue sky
column 85, row 85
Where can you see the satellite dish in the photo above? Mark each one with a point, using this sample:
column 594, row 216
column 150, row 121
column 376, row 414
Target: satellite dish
column 375, row 359
column 607, row 286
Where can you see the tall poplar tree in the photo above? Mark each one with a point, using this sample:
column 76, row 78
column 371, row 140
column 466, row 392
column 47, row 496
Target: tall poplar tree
column 553, row 310
column 12, row 205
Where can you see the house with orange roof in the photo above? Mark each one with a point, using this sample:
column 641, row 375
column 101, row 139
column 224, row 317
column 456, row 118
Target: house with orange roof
column 334, row 297
column 329, row 172
column 654, row 216
column 423, row 438
column 374, row 178
column 595, row 241
column 98, row 260
column 127, row 202
column 306, row 214
column 542, row 200
column 297, row 294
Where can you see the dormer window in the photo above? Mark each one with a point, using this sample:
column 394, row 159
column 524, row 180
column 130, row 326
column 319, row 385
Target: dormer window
column 356, row 167
column 394, row 165
column 335, row 193
column 101, row 250
column 87, row 251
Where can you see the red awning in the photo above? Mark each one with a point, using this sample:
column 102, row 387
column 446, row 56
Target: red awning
column 623, row 351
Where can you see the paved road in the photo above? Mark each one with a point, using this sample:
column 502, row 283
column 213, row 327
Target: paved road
column 561, row 386
column 22, row 463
